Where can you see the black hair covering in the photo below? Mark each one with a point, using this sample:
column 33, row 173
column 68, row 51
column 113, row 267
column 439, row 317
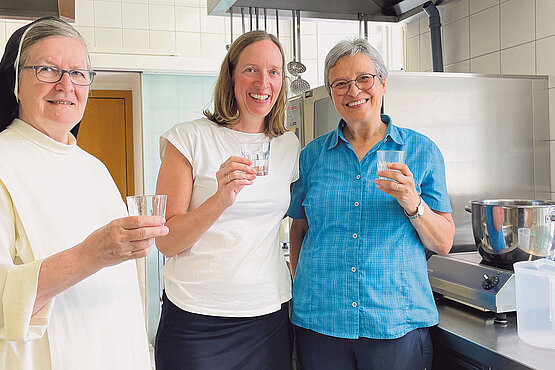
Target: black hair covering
column 8, row 103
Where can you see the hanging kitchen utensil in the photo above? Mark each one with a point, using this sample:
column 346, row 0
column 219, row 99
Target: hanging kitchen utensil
column 299, row 86
column 265, row 21
column 250, row 17
column 230, row 27
column 277, row 24
column 362, row 26
column 302, row 66
column 243, row 19
column 256, row 13
column 365, row 27
column 293, row 66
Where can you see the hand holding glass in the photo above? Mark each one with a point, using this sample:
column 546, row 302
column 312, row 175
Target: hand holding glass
column 259, row 154
column 386, row 157
column 147, row 205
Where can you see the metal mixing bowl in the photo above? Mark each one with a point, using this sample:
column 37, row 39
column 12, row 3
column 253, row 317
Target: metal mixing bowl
column 511, row 230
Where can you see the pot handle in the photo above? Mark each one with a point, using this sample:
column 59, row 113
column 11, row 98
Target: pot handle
column 468, row 209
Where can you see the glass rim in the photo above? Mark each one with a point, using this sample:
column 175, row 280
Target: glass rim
column 146, row 196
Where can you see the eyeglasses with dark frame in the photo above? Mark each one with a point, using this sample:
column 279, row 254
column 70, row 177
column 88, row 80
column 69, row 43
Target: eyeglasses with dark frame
column 51, row 74
column 363, row 82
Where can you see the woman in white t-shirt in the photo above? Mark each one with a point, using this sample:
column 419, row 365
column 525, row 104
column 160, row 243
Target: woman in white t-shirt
column 227, row 285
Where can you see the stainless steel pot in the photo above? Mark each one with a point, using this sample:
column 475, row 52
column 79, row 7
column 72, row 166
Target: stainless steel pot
column 507, row 231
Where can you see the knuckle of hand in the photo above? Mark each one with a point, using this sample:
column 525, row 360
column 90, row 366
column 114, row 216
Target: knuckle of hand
column 143, row 233
column 138, row 220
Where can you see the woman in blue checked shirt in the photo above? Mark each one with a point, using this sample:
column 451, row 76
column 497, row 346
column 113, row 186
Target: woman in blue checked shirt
column 361, row 297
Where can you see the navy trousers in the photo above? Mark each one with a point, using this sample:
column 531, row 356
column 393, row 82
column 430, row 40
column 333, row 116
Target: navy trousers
column 187, row 340
column 322, row 352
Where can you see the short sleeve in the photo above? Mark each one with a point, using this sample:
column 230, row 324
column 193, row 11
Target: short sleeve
column 18, row 279
column 434, row 183
column 181, row 137
column 298, row 193
column 295, row 176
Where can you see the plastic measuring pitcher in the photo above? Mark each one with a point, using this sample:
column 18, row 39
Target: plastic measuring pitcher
column 535, row 302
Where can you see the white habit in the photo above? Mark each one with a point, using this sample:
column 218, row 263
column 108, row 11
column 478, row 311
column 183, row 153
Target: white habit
column 52, row 196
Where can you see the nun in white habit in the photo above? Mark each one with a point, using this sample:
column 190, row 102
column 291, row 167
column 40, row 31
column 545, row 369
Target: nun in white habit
column 68, row 277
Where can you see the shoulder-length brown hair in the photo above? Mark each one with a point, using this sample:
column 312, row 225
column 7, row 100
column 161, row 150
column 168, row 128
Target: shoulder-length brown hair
column 225, row 104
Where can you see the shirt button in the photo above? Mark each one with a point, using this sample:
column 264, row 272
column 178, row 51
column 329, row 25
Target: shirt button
column 358, row 177
column 353, row 269
column 356, row 204
column 354, row 304
column 355, row 236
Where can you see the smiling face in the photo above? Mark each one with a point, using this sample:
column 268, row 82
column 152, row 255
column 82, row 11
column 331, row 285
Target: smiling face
column 53, row 108
column 357, row 106
column 257, row 80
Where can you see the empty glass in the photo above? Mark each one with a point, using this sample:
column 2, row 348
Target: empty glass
column 147, row 205
column 389, row 156
column 259, row 154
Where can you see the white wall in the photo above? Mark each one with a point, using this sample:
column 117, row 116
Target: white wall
column 177, row 36
column 491, row 36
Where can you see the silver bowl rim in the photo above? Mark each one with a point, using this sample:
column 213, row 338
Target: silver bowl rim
column 514, row 203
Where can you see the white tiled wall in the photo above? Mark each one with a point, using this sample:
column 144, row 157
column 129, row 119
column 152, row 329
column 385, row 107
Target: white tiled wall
column 179, row 36
column 491, row 36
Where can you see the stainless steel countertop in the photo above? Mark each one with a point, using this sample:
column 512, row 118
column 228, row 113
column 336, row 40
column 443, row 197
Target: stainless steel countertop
column 474, row 334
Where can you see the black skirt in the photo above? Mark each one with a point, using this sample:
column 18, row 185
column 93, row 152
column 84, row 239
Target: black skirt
column 186, row 340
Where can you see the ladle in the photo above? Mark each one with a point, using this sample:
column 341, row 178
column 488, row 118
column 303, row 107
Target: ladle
column 230, row 27
column 293, row 66
column 299, row 86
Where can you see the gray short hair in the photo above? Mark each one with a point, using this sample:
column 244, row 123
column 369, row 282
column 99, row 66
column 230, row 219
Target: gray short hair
column 352, row 47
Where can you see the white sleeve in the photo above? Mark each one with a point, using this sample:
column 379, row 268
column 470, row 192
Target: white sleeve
column 295, row 176
column 18, row 279
column 182, row 137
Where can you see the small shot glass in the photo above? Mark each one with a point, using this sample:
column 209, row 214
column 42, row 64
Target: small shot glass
column 259, row 154
column 386, row 157
column 147, row 205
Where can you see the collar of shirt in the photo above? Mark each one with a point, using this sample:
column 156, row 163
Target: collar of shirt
column 392, row 131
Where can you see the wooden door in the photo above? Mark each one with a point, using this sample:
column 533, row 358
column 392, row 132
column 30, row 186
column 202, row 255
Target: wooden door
column 106, row 132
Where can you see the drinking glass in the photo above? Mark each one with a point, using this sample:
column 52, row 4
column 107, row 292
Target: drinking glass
column 389, row 156
column 147, row 205
column 259, row 154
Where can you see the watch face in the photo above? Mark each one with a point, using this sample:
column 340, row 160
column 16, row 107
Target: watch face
column 420, row 210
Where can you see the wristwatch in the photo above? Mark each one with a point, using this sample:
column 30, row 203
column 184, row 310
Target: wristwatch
column 419, row 211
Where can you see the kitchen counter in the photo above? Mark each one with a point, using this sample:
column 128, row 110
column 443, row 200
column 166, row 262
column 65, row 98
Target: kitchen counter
column 468, row 338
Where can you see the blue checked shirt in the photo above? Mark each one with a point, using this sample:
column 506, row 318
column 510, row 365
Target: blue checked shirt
column 362, row 267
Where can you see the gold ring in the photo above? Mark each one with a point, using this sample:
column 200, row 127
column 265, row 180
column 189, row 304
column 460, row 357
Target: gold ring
column 228, row 178
column 396, row 186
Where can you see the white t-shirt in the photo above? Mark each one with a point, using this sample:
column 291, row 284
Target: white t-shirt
column 237, row 268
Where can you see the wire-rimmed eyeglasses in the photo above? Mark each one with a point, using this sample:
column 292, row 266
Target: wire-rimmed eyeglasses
column 363, row 82
column 51, row 74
